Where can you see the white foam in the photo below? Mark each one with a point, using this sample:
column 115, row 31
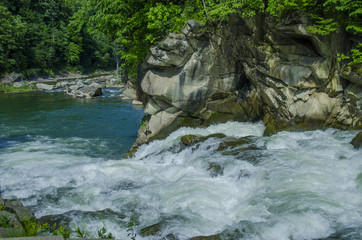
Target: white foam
column 302, row 186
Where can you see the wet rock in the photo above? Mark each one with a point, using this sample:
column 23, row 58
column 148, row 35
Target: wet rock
column 212, row 237
column 233, row 143
column 152, row 229
column 192, row 139
column 237, row 151
column 169, row 237
column 189, row 139
column 2, row 202
column 357, row 141
column 215, row 169
column 59, row 220
column 43, row 86
column 131, row 152
column 18, row 208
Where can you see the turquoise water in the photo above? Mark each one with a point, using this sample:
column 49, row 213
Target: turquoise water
column 62, row 157
column 105, row 127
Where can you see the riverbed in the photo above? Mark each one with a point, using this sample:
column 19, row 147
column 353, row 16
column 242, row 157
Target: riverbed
column 63, row 158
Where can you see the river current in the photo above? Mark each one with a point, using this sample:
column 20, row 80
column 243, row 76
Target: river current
column 63, row 158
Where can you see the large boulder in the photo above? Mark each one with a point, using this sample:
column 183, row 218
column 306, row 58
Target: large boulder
column 250, row 69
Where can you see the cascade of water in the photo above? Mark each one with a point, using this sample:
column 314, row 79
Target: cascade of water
column 292, row 185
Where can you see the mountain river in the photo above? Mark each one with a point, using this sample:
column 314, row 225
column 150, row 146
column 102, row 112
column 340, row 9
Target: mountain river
column 63, row 158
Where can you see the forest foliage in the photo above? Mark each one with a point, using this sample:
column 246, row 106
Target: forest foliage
column 48, row 36
column 85, row 31
column 137, row 24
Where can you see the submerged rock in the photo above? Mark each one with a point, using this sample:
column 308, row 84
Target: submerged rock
column 152, row 229
column 357, row 141
column 211, row 237
column 233, row 143
column 215, row 169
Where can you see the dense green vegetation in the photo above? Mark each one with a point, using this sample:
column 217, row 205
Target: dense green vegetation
column 137, row 24
column 48, row 36
column 83, row 35
column 6, row 88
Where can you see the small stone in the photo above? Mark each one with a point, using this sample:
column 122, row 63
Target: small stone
column 357, row 141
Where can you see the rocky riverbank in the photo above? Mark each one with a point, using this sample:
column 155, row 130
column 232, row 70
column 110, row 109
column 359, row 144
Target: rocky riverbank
column 13, row 218
column 247, row 70
column 79, row 86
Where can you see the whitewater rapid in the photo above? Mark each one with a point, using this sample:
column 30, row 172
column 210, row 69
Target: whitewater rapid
column 292, row 185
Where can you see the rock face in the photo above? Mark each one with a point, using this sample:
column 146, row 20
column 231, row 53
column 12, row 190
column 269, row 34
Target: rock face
column 248, row 70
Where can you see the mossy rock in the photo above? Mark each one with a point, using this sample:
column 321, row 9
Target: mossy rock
column 232, row 143
column 214, row 135
column 357, row 141
column 152, row 229
column 236, row 151
column 189, row 139
column 9, row 220
column 216, row 117
column 192, row 139
column 308, row 124
column 131, row 152
column 176, row 124
column 275, row 125
column 212, row 237
column 11, row 232
column 22, row 213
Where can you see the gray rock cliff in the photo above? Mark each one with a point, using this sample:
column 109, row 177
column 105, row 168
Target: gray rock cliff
column 247, row 70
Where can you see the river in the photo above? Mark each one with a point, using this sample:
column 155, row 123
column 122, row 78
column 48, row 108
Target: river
column 63, row 158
